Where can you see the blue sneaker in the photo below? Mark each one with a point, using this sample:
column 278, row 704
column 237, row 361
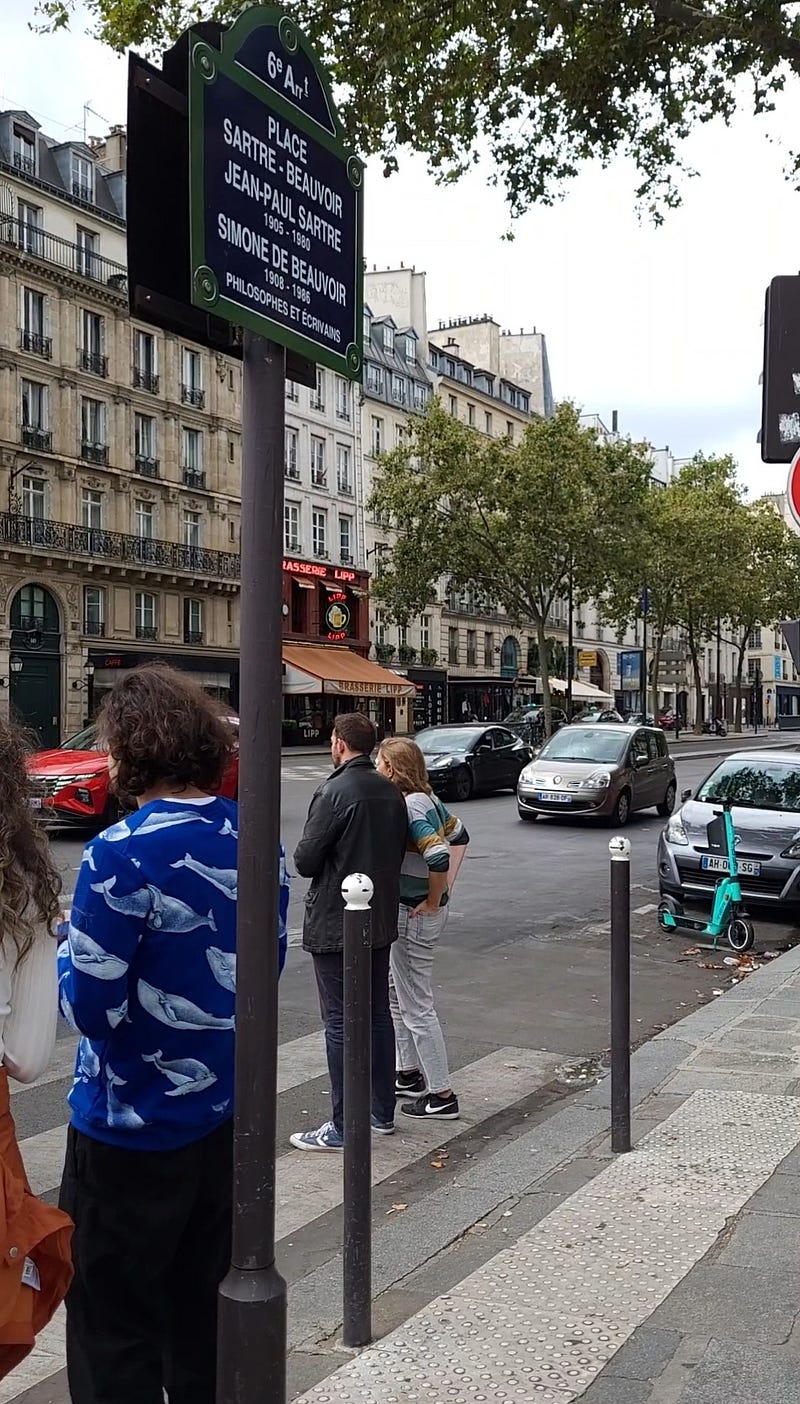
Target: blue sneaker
column 325, row 1138
column 382, row 1128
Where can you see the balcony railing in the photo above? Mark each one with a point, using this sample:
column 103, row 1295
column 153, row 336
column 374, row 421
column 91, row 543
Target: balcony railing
column 319, row 477
column 37, row 344
column 39, row 439
column 345, row 486
column 36, row 243
column 145, row 380
column 194, row 477
column 63, row 538
column 292, row 471
column 192, row 396
column 93, row 362
column 147, row 631
column 145, row 466
column 82, row 191
column 193, row 636
column 25, row 163
column 94, row 453
column 95, row 628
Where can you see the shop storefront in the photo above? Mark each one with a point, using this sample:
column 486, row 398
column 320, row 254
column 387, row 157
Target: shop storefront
column 219, row 677
column 320, row 681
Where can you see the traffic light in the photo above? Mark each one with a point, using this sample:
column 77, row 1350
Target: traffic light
column 780, row 404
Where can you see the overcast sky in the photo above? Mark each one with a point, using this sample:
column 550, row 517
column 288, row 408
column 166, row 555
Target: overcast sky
column 664, row 325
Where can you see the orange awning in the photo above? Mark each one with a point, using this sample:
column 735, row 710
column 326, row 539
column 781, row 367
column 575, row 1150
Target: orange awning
column 342, row 671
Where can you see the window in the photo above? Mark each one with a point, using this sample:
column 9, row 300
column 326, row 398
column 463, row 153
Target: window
column 193, row 452
column 319, row 532
column 399, row 389
column 34, row 323
column 291, row 526
column 346, row 539
column 92, row 343
column 380, row 627
column 785, row 671
column 193, row 621
column 31, row 228
column 318, row 473
column 452, row 645
column 145, row 371
column 753, row 665
column 192, row 392
column 472, row 648
column 453, row 405
column 291, row 468
column 471, row 415
column 292, row 390
column 487, row 421
column 411, row 348
column 377, row 435
column 144, row 431
column 367, row 326
column 23, row 150
column 510, row 430
column 399, row 434
column 82, row 178
column 317, row 396
column 342, row 398
column 91, row 509
column 374, row 379
column 402, row 635
column 34, row 497
column 754, row 638
column 191, row 528
column 145, row 605
column 143, row 518
column 87, row 261
column 488, row 650
column 424, row 631
column 231, row 451
column 94, row 611
column 388, row 339
column 420, row 396
column 35, row 432
column 94, row 442
column 344, row 481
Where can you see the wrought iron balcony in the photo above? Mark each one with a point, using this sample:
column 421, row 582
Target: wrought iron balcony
column 27, row 164
column 345, row 486
column 319, row 477
column 193, row 636
column 37, row 344
column 95, row 628
column 82, row 191
column 95, row 363
column 36, row 243
column 292, row 471
column 146, row 467
column 39, row 439
column 192, row 396
column 147, row 631
column 94, row 453
column 194, row 477
column 65, row 539
column 145, row 380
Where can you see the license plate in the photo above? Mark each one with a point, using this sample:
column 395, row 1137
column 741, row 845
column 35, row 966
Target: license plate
column 35, row 802
column 746, row 866
column 550, row 797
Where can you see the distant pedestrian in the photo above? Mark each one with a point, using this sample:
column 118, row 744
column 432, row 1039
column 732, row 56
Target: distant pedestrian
column 148, row 977
column 422, row 1077
column 36, row 1275
column 356, row 824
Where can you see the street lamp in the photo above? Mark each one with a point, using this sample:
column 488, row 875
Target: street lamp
column 80, row 683
column 15, row 663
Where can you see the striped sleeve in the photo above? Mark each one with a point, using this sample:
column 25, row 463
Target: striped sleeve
column 454, row 830
column 425, row 833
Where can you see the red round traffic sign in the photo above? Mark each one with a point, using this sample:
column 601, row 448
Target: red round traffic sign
column 793, row 488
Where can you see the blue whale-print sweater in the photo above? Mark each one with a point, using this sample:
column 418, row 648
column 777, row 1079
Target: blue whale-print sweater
column 147, row 975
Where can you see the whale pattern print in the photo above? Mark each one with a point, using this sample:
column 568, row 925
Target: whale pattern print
column 147, row 975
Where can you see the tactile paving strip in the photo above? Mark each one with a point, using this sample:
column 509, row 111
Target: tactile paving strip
column 539, row 1321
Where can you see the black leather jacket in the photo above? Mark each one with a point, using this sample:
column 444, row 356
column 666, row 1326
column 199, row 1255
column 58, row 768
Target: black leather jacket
column 357, row 823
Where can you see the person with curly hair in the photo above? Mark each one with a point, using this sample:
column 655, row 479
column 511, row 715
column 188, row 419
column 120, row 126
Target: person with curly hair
column 148, row 978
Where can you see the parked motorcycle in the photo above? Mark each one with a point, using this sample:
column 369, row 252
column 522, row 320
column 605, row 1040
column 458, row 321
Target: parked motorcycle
column 715, row 727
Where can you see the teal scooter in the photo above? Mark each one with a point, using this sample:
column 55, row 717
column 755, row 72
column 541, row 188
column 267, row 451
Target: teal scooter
column 728, row 917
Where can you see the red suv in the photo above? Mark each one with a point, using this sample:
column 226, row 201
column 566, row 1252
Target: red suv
column 70, row 784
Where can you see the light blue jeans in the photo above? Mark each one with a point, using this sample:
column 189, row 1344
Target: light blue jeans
column 417, row 1031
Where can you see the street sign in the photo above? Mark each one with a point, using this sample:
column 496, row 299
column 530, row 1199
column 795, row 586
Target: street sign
column 587, row 658
column 275, row 194
column 793, row 488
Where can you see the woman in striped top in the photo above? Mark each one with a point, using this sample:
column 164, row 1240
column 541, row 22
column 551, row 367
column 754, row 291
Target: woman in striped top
column 423, row 1077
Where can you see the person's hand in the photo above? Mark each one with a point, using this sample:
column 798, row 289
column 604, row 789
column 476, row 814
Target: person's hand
column 425, row 908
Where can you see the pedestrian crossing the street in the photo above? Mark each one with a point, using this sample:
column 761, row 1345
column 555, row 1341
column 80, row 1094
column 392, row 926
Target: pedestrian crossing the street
column 308, row 1186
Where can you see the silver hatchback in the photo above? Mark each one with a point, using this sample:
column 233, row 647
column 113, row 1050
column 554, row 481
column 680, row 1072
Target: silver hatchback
column 604, row 771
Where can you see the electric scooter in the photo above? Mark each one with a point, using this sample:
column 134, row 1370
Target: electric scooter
column 728, row 916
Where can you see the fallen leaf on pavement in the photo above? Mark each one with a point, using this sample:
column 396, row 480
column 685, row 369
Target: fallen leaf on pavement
column 693, row 950
column 396, row 1209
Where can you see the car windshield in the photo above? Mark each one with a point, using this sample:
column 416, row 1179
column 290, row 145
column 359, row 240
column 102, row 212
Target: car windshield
column 754, row 784
column 584, row 743
column 85, row 740
column 433, row 743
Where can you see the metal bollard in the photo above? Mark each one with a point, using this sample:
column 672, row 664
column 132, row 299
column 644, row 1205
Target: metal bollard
column 357, row 892
column 620, row 850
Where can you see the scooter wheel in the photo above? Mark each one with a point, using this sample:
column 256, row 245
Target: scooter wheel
column 667, row 907
column 741, row 934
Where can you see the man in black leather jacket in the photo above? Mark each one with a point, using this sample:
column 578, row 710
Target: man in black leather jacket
column 357, row 823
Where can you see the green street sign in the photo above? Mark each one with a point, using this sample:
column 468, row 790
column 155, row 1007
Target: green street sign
column 275, row 195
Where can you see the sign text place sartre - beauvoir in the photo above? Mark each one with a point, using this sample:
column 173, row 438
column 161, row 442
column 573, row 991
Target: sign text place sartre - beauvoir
column 276, row 198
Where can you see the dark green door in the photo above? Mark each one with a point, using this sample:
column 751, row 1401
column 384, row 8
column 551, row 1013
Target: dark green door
column 35, row 699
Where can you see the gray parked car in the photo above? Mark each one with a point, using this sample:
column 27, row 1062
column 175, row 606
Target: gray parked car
column 765, row 790
column 605, row 770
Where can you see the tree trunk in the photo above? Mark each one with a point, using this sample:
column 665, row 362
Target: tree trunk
column 698, row 686
column 547, row 701
column 742, row 648
column 658, row 635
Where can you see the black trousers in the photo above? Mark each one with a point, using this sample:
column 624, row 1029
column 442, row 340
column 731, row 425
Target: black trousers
column 329, row 970
column 152, row 1243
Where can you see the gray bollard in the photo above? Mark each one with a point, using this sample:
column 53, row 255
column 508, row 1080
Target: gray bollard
column 620, row 851
column 357, row 892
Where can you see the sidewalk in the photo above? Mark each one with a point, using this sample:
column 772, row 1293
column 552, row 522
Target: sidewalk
column 667, row 1276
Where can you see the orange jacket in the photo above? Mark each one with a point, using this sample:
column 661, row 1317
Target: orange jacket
column 28, row 1229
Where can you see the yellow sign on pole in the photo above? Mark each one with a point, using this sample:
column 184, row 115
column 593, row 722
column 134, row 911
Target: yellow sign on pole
column 587, row 658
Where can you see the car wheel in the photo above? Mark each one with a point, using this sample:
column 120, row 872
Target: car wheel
column 462, row 784
column 666, row 808
column 524, row 814
column 622, row 809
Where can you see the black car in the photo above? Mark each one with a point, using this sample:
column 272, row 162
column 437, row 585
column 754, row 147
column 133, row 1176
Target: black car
column 463, row 760
column 528, row 722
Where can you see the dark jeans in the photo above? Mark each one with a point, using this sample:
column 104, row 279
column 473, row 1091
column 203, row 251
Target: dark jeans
column 152, row 1243
column 329, row 970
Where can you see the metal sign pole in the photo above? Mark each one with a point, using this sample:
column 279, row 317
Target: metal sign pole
column 252, row 1307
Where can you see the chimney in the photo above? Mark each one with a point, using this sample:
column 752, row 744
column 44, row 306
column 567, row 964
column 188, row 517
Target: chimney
column 115, row 150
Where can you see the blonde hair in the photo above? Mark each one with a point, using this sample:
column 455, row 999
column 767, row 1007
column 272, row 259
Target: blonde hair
column 409, row 772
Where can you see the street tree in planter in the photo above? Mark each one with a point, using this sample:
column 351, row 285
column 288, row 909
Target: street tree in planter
column 765, row 588
column 508, row 520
